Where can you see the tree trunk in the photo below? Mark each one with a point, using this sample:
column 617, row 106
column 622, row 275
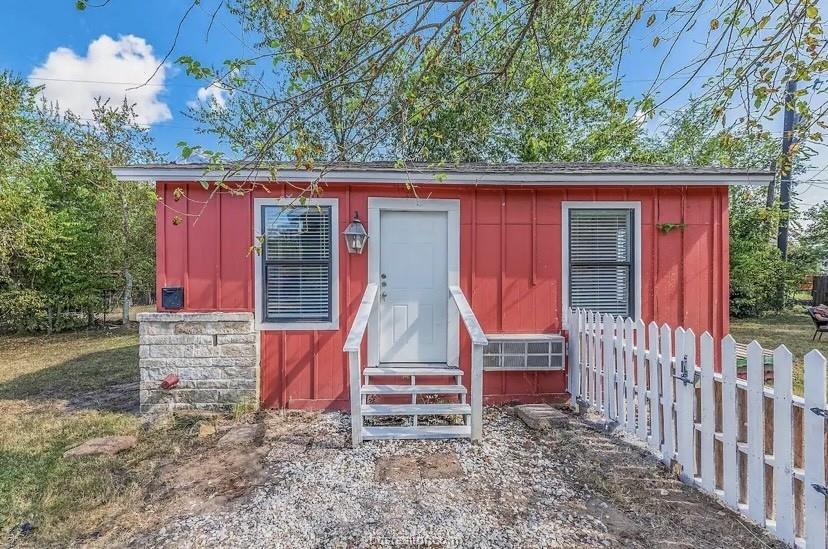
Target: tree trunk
column 127, row 296
column 127, row 299
column 49, row 320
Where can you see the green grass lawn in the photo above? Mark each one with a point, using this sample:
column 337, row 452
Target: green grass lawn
column 793, row 329
column 56, row 392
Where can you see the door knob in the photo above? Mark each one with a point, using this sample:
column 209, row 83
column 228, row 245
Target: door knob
column 384, row 295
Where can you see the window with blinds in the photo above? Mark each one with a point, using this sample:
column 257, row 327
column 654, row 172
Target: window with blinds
column 297, row 262
column 601, row 260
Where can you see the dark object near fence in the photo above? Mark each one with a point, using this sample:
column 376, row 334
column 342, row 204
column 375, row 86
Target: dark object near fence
column 820, row 317
column 172, row 298
column 25, row 528
column 819, row 291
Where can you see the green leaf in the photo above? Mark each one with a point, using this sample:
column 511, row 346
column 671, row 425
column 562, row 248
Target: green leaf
column 204, row 185
column 811, row 11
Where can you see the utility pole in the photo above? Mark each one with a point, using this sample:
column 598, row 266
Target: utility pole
column 787, row 168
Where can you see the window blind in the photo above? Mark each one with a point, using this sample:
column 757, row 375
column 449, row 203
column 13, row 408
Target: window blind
column 601, row 260
column 297, row 263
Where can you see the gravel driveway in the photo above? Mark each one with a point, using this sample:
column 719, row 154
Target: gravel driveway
column 570, row 487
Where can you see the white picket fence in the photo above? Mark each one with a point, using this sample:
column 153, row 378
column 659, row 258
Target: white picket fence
column 761, row 450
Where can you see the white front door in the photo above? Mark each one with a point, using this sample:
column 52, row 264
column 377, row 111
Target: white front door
column 413, row 303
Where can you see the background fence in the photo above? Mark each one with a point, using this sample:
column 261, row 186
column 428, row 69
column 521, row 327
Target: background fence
column 761, row 450
column 819, row 290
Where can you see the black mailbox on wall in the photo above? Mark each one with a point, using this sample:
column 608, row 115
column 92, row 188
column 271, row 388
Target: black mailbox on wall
column 172, row 298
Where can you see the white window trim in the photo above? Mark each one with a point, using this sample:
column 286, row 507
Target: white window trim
column 567, row 205
column 452, row 208
column 333, row 324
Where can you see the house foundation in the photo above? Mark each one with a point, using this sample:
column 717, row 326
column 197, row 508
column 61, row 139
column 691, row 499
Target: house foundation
column 210, row 361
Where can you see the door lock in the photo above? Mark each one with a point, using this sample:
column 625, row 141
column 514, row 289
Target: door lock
column 383, row 295
column 382, row 276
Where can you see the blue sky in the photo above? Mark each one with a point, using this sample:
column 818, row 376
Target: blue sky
column 104, row 51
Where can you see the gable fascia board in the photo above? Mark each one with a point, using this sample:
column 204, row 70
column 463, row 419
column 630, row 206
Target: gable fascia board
column 185, row 174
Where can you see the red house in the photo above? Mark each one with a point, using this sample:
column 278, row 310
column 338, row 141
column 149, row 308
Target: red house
column 460, row 290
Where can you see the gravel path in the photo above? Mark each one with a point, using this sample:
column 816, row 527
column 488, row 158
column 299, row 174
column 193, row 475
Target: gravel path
column 520, row 488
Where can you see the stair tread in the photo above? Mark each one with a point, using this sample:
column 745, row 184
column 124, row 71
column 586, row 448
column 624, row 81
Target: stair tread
column 420, row 431
column 412, row 371
column 415, row 409
column 409, row 389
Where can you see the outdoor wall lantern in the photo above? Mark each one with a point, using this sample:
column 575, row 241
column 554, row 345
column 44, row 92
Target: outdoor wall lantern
column 355, row 235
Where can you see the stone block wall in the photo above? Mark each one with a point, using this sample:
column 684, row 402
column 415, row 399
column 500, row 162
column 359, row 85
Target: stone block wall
column 214, row 356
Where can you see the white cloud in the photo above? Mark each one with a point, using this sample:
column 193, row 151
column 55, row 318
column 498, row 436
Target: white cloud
column 213, row 96
column 108, row 70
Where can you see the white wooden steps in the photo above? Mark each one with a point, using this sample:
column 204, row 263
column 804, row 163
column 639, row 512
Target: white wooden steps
column 374, row 388
column 382, row 387
column 413, row 389
column 415, row 409
column 417, row 432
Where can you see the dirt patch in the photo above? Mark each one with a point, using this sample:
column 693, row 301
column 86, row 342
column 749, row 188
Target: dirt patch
column 412, row 468
column 211, row 478
column 640, row 502
column 239, row 436
column 206, row 482
column 518, row 488
column 617, row 522
column 441, row 465
column 397, row 468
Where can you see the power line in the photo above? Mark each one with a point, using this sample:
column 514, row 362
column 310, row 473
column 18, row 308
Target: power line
column 107, row 82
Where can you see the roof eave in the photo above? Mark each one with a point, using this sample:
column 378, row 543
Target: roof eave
column 185, row 174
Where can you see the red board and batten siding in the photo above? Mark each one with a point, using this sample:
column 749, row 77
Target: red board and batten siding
column 510, row 270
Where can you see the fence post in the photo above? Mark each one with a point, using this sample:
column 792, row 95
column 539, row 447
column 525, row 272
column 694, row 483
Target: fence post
column 608, row 348
column 685, row 393
column 730, row 473
column 708, row 414
column 581, row 319
column 574, row 365
column 630, row 379
column 597, row 364
column 593, row 357
column 655, row 393
column 756, row 433
column 586, row 352
column 668, row 450
column 620, row 374
column 782, row 445
column 814, row 439
column 641, row 378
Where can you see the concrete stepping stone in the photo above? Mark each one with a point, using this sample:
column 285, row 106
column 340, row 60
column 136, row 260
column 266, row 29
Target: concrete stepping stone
column 541, row 417
column 102, row 446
